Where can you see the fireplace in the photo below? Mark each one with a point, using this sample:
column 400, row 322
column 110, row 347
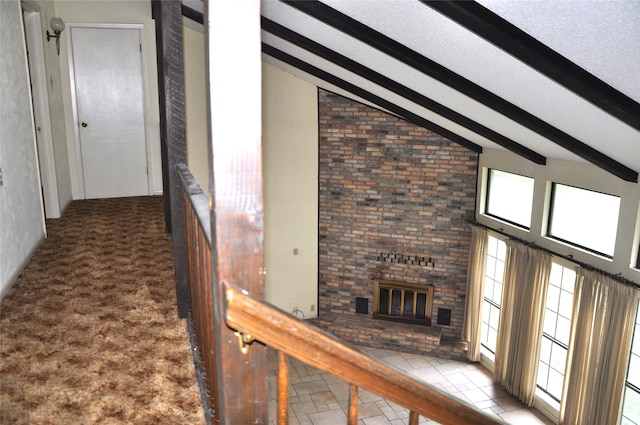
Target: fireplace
column 403, row 302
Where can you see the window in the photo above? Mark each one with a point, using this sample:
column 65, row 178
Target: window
column 631, row 403
column 584, row 218
column 556, row 330
column 510, row 198
column 494, row 273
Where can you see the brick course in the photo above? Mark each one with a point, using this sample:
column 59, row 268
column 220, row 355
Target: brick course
column 388, row 186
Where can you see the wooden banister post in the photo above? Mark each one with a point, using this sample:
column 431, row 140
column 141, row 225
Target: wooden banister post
column 234, row 111
column 283, row 388
column 353, row 405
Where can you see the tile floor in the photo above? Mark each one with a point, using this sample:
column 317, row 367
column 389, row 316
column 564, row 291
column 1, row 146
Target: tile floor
column 319, row 398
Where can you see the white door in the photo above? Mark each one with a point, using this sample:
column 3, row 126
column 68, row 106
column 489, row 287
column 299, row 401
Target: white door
column 109, row 96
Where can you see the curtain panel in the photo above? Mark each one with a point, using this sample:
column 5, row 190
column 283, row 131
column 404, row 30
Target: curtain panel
column 602, row 326
column 521, row 319
column 471, row 328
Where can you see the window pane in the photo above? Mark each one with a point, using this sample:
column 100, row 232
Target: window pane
column 635, row 347
column 568, row 279
column 563, row 329
column 494, row 317
column 494, row 246
column 558, row 358
column 492, row 293
column 553, row 297
column 545, row 350
column 631, row 407
column 565, row 308
column 490, row 269
column 510, row 197
column 497, row 293
column 543, row 375
column 634, row 370
column 633, row 373
column 485, row 332
column 488, row 288
column 502, row 252
column 549, row 326
column 492, row 339
column 584, row 218
column 556, row 329
column 555, row 277
column 486, row 308
column 555, row 384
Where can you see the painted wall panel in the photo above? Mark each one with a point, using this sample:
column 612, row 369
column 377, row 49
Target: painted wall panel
column 195, row 97
column 290, row 160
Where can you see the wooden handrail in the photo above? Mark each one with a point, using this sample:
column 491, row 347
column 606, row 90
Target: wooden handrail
column 198, row 200
column 258, row 320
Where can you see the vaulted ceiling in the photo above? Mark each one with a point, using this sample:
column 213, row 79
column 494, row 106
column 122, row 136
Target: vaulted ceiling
column 546, row 80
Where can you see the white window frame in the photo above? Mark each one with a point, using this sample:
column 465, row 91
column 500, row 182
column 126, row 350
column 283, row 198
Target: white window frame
column 489, row 186
column 565, row 239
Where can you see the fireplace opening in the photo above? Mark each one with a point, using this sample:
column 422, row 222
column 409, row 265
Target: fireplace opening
column 402, row 302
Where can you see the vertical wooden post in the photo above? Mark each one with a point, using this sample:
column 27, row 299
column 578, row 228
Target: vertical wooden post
column 283, row 388
column 353, row 405
column 173, row 145
column 235, row 117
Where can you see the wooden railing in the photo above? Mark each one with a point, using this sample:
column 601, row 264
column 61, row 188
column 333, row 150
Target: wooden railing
column 199, row 278
column 257, row 322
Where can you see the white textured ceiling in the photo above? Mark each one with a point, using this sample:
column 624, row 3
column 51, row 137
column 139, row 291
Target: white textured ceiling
column 603, row 37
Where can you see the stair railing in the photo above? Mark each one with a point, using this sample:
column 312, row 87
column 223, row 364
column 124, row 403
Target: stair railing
column 258, row 322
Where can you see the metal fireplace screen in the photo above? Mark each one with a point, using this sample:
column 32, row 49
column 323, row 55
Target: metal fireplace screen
column 403, row 302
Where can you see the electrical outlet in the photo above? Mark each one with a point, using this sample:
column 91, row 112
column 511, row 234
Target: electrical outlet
column 312, row 307
column 1, row 180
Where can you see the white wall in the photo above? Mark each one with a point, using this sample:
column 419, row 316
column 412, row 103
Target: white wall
column 21, row 211
column 290, row 161
column 195, row 97
column 581, row 175
column 290, row 166
column 114, row 12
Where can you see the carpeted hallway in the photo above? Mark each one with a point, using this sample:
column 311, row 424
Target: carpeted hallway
column 89, row 333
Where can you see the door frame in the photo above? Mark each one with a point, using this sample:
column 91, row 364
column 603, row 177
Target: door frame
column 40, row 101
column 79, row 170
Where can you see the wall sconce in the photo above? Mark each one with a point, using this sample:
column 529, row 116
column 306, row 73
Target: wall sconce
column 57, row 26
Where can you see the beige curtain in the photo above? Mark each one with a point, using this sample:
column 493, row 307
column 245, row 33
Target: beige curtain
column 601, row 330
column 524, row 294
column 471, row 328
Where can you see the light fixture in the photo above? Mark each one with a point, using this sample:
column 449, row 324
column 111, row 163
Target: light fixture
column 57, row 26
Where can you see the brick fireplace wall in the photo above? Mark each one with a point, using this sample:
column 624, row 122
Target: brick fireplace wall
column 391, row 196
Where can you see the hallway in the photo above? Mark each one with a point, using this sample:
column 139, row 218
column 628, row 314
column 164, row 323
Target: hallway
column 89, row 332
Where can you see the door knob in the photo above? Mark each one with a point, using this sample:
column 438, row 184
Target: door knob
column 84, row 124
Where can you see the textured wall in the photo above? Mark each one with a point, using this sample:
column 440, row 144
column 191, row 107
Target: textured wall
column 21, row 217
column 387, row 186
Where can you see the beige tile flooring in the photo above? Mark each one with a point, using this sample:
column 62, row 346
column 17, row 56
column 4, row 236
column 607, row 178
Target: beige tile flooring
column 319, row 398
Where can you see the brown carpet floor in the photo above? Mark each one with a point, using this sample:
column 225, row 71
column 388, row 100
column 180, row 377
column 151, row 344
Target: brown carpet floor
column 89, row 333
